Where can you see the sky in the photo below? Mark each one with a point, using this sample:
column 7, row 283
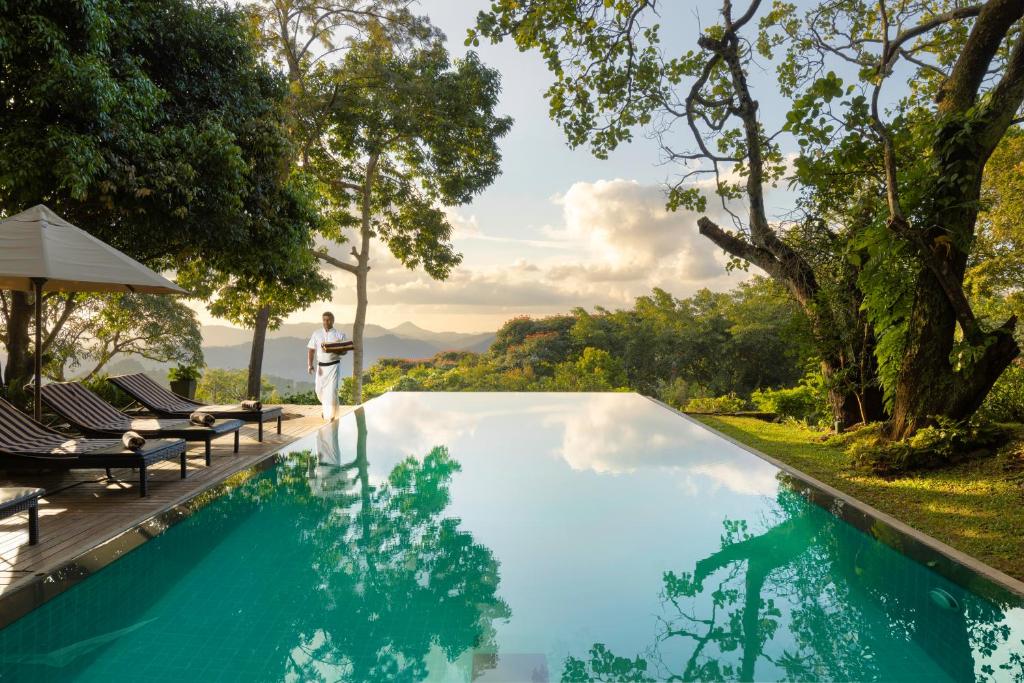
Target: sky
column 559, row 228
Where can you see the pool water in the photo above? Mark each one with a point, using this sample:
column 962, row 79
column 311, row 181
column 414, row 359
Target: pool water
column 516, row 537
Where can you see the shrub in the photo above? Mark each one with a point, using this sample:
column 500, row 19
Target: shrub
column 1005, row 402
column 800, row 402
column 675, row 393
column 184, row 372
column 945, row 443
column 99, row 385
column 303, row 398
column 730, row 403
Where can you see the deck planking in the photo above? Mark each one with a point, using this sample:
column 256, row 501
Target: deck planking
column 82, row 510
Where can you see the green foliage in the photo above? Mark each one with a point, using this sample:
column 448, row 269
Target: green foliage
column 675, row 349
column 184, row 372
column 945, row 443
column 427, row 122
column 286, row 210
column 730, row 403
column 807, row 402
column 889, row 187
column 1005, row 403
column 604, row 665
column 229, row 386
column 594, row 370
column 88, row 331
column 99, row 385
column 304, row 398
column 149, row 124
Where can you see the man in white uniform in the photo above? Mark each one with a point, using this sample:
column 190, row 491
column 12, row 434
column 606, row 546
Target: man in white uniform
column 326, row 366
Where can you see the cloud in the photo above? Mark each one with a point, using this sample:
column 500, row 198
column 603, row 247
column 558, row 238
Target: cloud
column 627, row 227
column 611, row 435
column 615, row 242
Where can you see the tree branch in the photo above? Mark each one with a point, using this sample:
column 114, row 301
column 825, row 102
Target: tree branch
column 327, row 258
column 959, row 92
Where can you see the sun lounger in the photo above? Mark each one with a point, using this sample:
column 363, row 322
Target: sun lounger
column 19, row 499
column 165, row 403
column 24, row 443
column 93, row 416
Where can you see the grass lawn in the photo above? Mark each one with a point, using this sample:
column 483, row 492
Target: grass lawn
column 976, row 507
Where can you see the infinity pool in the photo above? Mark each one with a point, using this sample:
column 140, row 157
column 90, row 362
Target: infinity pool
column 516, row 537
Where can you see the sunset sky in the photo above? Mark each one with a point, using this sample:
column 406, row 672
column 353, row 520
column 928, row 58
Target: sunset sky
column 558, row 228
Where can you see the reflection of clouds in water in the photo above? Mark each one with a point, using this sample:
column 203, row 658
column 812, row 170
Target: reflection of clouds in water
column 413, row 424
column 613, row 434
column 758, row 480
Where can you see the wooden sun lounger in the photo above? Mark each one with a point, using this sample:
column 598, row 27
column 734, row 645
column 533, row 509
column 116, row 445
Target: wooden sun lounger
column 165, row 403
column 19, row 499
column 93, row 416
column 26, row 444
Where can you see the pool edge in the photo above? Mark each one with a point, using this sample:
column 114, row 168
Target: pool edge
column 42, row 587
column 953, row 564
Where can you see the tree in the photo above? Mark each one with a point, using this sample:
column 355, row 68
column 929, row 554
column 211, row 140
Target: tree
column 300, row 35
column 263, row 295
column 218, row 386
column 594, row 370
column 995, row 272
column 925, row 158
column 808, row 597
column 154, row 327
column 408, row 130
column 611, row 76
column 143, row 123
column 911, row 182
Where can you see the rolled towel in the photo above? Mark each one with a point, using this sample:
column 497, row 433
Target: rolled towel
column 252, row 405
column 132, row 440
column 202, row 419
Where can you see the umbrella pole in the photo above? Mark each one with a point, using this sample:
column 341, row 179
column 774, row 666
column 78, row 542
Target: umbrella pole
column 37, row 287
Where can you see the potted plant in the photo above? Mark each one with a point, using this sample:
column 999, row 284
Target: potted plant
column 184, row 380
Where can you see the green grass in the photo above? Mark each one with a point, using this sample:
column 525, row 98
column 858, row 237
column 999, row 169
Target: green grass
column 976, row 507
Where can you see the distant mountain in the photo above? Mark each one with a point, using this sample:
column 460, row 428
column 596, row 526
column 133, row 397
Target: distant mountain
column 223, row 335
column 286, row 357
column 446, row 341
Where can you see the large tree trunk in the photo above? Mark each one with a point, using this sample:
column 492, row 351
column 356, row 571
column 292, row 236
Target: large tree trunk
column 928, row 385
column 849, row 369
column 259, row 339
column 362, row 271
column 19, row 351
column 357, row 336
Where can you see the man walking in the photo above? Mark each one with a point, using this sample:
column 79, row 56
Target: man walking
column 326, row 365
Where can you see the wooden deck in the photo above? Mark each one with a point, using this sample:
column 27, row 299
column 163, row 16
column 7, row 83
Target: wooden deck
column 82, row 510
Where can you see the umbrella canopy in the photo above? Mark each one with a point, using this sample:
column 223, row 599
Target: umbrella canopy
column 37, row 243
column 40, row 251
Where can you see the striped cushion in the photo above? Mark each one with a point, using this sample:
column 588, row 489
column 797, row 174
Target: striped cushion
column 149, row 393
column 78, row 404
column 21, row 434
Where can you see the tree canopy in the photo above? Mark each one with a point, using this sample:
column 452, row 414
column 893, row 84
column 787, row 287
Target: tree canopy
column 891, row 158
column 408, row 132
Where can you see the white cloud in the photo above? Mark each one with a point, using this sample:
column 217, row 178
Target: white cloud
column 612, row 435
column 615, row 242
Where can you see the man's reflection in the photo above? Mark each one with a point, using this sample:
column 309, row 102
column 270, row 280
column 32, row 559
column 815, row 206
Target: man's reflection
column 396, row 581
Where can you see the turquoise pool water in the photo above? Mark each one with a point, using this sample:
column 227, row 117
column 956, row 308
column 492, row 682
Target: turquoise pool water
column 515, row 537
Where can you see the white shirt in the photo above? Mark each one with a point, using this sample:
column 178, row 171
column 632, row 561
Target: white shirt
column 319, row 337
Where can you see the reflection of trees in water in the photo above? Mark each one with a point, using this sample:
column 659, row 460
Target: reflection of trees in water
column 389, row 577
column 831, row 588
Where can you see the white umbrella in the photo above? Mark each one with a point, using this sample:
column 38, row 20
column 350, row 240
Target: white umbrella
column 40, row 251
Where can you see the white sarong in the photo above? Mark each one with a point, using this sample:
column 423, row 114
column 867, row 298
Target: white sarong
column 327, row 377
